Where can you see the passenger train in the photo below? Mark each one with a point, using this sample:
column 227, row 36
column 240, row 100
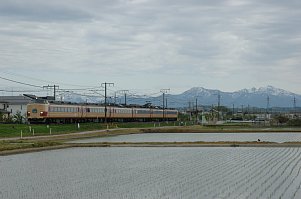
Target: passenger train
column 69, row 113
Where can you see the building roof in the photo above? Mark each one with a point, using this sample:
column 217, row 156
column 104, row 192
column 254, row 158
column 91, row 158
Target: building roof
column 15, row 100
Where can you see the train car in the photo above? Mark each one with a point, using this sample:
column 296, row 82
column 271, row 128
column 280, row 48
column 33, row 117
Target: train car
column 39, row 112
column 69, row 113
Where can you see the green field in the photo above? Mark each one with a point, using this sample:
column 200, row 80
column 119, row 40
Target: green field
column 14, row 130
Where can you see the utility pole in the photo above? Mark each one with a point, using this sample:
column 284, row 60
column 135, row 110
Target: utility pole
column 189, row 110
column 267, row 109
column 124, row 92
column 115, row 98
column 295, row 107
column 268, row 104
column 163, row 91
column 105, row 85
column 218, row 104
column 196, row 109
column 54, row 89
column 166, row 103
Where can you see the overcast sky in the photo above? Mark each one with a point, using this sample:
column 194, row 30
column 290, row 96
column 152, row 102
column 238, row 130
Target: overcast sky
column 152, row 44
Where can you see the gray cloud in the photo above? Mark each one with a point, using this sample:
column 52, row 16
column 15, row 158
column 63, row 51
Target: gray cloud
column 34, row 10
column 210, row 43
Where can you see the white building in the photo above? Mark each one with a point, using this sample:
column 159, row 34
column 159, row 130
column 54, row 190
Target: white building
column 10, row 105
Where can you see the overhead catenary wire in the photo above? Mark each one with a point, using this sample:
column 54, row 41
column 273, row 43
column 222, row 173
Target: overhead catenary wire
column 134, row 95
column 49, row 82
column 18, row 82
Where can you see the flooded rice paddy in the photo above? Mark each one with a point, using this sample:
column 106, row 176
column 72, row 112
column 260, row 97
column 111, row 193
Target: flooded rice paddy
column 136, row 173
column 193, row 137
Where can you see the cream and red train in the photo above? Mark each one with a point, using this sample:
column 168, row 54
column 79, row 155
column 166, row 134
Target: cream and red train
column 69, row 113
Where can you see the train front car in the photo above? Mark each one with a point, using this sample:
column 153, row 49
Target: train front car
column 37, row 113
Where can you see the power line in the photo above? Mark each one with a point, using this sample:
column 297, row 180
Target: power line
column 20, row 82
column 20, row 91
column 124, row 92
column 54, row 89
column 45, row 81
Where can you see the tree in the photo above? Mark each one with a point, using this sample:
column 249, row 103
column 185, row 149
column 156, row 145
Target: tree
column 18, row 118
column 1, row 117
column 294, row 122
column 281, row 119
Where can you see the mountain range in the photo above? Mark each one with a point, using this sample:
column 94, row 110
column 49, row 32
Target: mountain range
column 262, row 97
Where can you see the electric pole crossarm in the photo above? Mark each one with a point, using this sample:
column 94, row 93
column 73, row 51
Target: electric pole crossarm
column 124, row 92
column 54, row 89
column 164, row 91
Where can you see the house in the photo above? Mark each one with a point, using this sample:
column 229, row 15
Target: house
column 11, row 105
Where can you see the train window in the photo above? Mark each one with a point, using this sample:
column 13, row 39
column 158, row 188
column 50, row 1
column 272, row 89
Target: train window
column 34, row 110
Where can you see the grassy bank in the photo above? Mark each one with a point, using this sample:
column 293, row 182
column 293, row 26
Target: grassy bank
column 25, row 144
column 14, row 130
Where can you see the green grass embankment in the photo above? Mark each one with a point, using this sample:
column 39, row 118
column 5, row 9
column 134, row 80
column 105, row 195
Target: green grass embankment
column 14, row 130
column 25, row 144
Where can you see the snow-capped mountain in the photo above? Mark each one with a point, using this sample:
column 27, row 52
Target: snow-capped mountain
column 261, row 97
column 268, row 90
column 257, row 97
